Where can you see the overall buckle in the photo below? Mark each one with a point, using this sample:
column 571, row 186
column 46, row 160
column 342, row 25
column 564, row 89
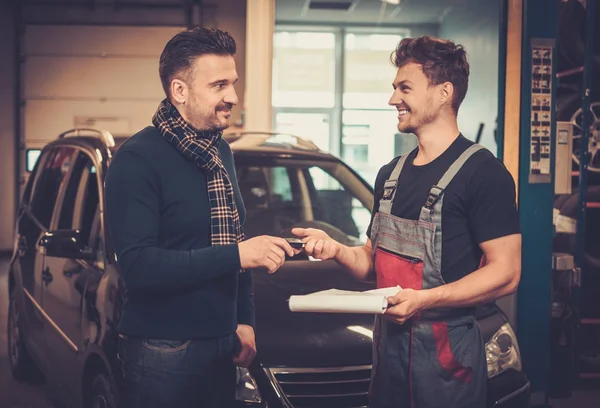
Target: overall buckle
column 434, row 195
column 388, row 189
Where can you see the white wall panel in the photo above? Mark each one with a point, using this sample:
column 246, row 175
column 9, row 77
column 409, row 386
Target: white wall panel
column 45, row 120
column 86, row 78
column 110, row 73
column 106, row 72
column 96, row 40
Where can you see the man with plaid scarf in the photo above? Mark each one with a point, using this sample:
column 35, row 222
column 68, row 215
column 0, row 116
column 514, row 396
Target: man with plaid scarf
column 176, row 216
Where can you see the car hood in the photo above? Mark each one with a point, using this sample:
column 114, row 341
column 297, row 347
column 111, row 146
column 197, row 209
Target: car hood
column 293, row 339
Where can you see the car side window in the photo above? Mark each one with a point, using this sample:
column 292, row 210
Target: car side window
column 333, row 205
column 80, row 202
column 35, row 175
column 280, row 184
column 47, row 187
column 280, row 196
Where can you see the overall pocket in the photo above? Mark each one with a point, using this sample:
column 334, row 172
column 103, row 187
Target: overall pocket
column 398, row 268
column 452, row 356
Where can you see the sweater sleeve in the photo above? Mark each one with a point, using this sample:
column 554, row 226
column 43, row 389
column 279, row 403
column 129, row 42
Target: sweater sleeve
column 132, row 189
column 245, row 304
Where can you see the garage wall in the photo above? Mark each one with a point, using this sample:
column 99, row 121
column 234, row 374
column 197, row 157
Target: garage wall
column 7, row 127
column 230, row 16
column 92, row 66
column 105, row 76
column 90, row 76
column 475, row 24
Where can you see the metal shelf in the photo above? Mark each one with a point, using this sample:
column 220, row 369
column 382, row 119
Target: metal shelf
column 590, row 321
column 570, row 72
column 589, row 376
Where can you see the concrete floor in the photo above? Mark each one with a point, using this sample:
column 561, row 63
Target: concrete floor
column 18, row 395
column 14, row 394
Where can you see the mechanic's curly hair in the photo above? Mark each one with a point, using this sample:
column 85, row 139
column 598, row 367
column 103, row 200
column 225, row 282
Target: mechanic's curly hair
column 181, row 51
column 441, row 61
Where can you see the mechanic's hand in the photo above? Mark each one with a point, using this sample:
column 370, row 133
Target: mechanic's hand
column 248, row 346
column 404, row 304
column 264, row 251
column 317, row 243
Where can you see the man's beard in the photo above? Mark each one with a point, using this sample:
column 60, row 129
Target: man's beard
column 222, row 107
column 425, row 118
column 203, row 122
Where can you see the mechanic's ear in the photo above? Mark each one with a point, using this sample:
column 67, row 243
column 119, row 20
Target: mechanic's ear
column 446, row 93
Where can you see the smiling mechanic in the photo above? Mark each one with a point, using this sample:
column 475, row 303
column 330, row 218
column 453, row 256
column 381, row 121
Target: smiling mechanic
column 439, row 210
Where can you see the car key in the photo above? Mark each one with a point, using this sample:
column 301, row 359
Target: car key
column 295, row 243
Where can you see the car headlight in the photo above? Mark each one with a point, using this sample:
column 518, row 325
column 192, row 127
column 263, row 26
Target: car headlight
column 246, row 389
column 502, row 352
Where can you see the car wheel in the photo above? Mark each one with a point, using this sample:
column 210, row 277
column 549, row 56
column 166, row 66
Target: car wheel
column 20, row 362
column 103, row 392
column 594, row 136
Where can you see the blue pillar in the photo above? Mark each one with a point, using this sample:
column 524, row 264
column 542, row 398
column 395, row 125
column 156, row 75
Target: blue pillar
column 536, row 190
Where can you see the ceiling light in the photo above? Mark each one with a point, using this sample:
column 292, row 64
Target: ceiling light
column 391, row 1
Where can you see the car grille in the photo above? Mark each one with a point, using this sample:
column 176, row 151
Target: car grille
column 345, row 387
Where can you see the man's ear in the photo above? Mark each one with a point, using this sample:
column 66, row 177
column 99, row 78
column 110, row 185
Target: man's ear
column 179, row 91
column 446, row 92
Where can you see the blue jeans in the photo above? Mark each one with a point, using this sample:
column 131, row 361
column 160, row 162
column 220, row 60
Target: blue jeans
column 178, row 373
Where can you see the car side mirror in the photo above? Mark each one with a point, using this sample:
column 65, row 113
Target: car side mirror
column 66, row 244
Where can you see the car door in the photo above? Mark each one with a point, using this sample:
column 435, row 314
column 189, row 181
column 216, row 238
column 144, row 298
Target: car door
column 69, row 264
column 28, row 232
column 34, row 221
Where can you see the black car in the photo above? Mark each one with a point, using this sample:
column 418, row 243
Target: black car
column 65, row 288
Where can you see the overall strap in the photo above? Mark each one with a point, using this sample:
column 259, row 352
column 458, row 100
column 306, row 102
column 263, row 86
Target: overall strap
column 438, row 189
column 389, row 187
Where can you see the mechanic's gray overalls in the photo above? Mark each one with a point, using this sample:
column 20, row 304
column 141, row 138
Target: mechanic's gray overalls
column 437, row 358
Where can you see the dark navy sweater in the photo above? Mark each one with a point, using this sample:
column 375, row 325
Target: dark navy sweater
column 178, row 285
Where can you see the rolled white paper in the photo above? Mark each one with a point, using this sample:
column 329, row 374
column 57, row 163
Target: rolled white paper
column 338, row 301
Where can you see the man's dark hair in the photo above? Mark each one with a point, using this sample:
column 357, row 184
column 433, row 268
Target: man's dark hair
column 441, row 61
column 181, row 51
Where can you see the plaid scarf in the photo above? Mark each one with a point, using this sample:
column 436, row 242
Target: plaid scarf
column 201, row 147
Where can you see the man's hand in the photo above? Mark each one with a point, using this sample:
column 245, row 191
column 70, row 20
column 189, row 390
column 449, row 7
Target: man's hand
column 317, row 243
column 404, row 304
column 265, row 251
column 248, row 346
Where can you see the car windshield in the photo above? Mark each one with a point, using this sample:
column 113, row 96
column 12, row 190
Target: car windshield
column 282, row 193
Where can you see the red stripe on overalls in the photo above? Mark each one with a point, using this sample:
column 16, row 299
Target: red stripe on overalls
column 393, row 269
column 445, row 356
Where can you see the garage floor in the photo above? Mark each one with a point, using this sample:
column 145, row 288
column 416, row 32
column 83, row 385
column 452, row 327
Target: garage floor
column 12, row 393
column 17, row 395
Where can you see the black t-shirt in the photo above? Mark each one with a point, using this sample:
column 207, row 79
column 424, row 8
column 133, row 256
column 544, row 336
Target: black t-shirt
column 479, row 203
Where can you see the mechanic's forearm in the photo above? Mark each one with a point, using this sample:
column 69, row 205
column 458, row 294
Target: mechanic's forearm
column 482, row 286
column 357, row 260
